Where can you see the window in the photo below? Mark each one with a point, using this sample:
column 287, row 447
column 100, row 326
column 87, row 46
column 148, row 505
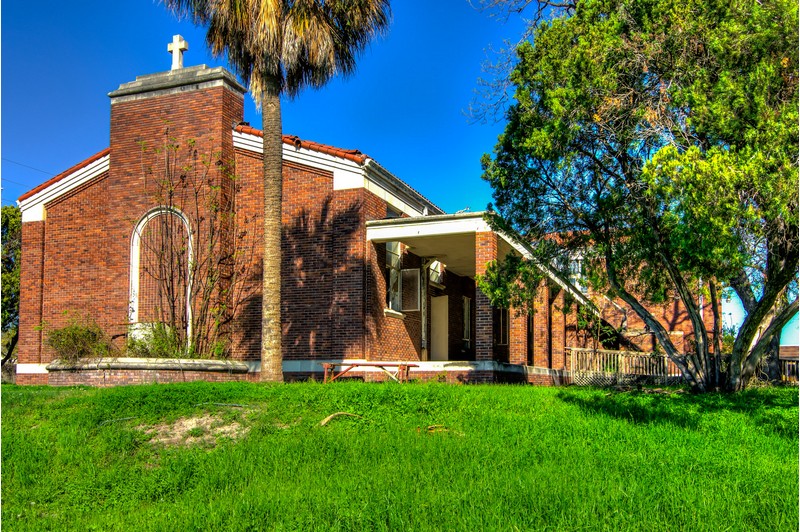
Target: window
column 410, row 287
column 393, row 277
column 576, row 272
column 500, row 326
column 466, row 305
column 436, row 274
column 146, row 254
column 402, row 285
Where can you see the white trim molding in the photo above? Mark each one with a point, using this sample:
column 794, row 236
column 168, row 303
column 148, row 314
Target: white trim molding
column 399, row 229
column 349, row 174
column 32, row 369
column 33, row 208
column 315, row 366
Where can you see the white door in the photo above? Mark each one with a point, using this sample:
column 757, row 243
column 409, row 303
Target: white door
column 439, row 336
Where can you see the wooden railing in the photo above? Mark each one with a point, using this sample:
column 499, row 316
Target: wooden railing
column 601, row 367
column 789, row 371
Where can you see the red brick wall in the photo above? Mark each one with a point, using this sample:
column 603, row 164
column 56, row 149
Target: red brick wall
column 393, row 338
column 334, row 280
column 541, row 327
column 31, row 380
column 374, row 282
column 308, row 244
column 31, row 286
column 107, row 378
column 671, row 314
column 249, row 205
column 82, row 277
column 348, row 267
column 203, row 117
column 86, row 237
column 557, row 327
column 518, row 338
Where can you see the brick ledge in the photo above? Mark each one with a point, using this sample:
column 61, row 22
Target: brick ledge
column 179, row 364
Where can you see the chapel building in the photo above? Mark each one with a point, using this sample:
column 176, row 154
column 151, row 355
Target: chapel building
column 371, row 271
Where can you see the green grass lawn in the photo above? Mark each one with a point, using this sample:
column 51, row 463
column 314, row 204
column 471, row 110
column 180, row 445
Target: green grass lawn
column 419, row 457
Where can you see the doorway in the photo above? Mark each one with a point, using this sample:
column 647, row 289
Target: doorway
column 439, row 328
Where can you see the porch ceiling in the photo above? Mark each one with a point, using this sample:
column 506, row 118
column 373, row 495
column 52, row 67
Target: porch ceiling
column 448, row 238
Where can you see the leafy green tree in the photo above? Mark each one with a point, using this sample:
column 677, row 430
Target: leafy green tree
column 281, row 47
column 12, row 247
column 658, row 139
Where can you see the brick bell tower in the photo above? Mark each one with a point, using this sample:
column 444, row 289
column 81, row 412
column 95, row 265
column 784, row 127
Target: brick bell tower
column 196, row 103
column 78, row 228
column 194, row 108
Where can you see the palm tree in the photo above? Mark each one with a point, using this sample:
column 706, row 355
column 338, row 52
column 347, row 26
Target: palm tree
column 280, row 47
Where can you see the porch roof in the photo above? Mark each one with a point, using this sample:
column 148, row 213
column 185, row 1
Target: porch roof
column 450, row 239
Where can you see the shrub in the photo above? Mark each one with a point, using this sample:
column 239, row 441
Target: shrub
column 159, row 340
column 80, row 338
column 155, row 340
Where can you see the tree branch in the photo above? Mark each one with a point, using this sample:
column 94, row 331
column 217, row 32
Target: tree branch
column 778, row 322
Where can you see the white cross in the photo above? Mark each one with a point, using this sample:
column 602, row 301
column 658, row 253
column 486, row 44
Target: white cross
column 176, row 48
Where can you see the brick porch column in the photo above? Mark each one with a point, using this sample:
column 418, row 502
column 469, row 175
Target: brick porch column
column 557, row 327
column 571, row 337
column 541, row 327
column 485, row 252
column 518, row 338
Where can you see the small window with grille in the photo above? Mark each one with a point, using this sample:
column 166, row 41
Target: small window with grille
column 500, row 326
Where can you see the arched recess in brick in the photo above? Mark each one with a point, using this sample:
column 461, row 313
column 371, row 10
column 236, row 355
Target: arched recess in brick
column 164, row 230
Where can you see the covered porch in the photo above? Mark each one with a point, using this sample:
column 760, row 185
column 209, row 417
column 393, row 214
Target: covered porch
column 463, row 244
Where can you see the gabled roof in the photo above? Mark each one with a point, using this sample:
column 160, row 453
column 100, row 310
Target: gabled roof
column 78, row 174
column 367, row 164
column 65, row 173
column 292, row 140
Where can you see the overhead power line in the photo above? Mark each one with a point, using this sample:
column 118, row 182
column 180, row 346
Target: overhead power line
column 29, row 167
column 15, row 182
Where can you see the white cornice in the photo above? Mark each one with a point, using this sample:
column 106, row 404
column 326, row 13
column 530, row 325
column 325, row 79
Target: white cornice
column 448, row 224
column 348, row 174
column 33, row 207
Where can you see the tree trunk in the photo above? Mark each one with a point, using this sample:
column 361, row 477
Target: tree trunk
column 12, row 343
column 271, row 330
column 773, row 359
column 689, row 372
column 712, row 288
column 750, row 362
column 743, row 359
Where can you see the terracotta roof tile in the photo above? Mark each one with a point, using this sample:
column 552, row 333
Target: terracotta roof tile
column 351, row 155
column 65, row 173
column 297, row 142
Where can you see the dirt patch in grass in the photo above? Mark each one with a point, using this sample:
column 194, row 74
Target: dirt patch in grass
column 202, row 430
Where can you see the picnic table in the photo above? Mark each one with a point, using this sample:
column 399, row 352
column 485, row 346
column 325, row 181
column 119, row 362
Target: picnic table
column 399, row 374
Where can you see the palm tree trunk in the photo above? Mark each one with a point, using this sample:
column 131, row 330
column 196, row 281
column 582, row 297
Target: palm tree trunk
column 271, row 330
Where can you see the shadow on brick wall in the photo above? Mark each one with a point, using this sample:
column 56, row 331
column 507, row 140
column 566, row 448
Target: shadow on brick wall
column 323, row 279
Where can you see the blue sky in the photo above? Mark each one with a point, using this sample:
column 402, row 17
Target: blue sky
column 405, row 106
